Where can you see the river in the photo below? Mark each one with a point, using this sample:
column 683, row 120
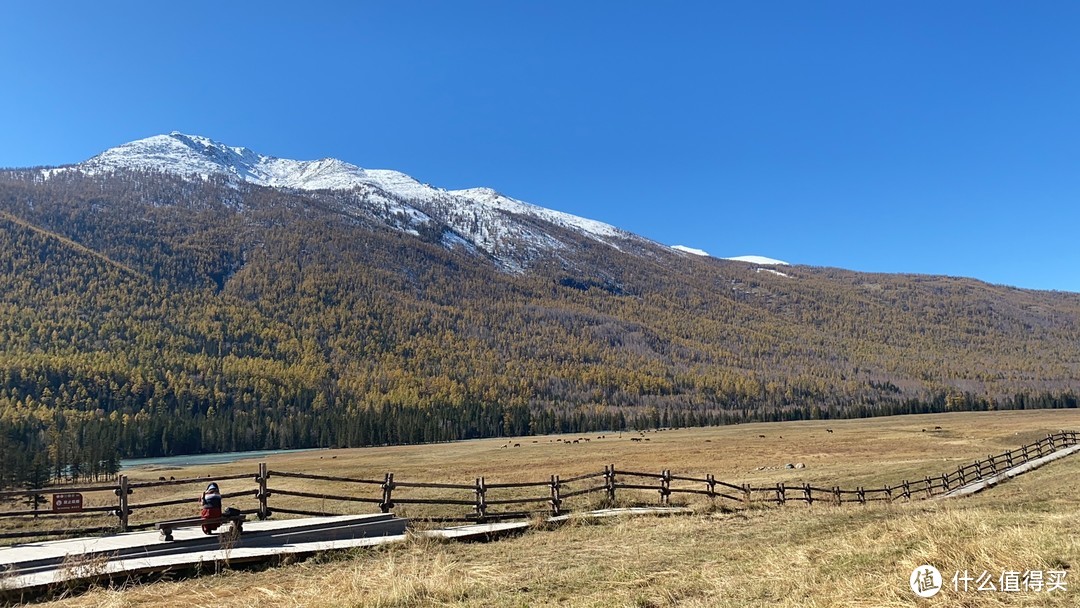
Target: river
column 197, row 459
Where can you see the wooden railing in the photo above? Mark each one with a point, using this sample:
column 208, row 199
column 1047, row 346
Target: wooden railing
column 111, row 507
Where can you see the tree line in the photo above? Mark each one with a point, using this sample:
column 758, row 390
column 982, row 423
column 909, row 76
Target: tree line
column 145, row 315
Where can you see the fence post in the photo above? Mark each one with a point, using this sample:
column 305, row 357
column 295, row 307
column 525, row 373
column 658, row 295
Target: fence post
column 387, row 493
column 609, row 481
column 665, row 487
column 888, row 493
column 808, row 494
column 710, row 483
column 556, row 500
column 862, row 495
column 1025, row 448
column 993, row 465
column 907, row 490
column 929, row 487
column 1050, row 438
column 746, row 493
column 122, row 510
column 263, row 494
column 481, row 499
column 836, row 496
column 781, row 497
column 1009, row 459
column 979, row 468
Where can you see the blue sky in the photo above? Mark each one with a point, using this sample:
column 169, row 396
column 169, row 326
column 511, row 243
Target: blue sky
column 922, row 137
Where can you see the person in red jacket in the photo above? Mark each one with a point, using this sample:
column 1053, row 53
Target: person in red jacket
column 210, row 506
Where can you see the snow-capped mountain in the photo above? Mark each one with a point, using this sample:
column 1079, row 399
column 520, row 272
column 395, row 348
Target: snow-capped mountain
column 513, row 232
column 192, row 155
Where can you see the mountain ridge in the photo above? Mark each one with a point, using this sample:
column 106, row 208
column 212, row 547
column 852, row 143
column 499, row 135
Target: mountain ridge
column 477, row 216
column 147, row 313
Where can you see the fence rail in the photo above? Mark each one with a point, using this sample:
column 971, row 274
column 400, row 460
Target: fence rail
column 486, row 499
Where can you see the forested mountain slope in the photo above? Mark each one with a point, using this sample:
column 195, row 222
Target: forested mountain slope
column 145, row 312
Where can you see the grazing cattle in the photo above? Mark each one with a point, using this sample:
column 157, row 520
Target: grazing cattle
column 635, row 439
column 586, row 440
column 761, row 436
column 828, row 430
column 161, row 479
column 171, row 478
column 517, row 445
column 937, row 428
column 708, row 441
column 575, row 441
column 646, row 439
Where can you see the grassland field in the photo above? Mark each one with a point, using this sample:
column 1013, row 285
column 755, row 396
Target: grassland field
column 794, row 555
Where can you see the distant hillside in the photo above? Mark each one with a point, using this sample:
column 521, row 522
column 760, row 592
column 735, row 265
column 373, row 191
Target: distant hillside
column 145, row 312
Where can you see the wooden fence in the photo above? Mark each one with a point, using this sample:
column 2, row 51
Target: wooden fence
column 482, row 501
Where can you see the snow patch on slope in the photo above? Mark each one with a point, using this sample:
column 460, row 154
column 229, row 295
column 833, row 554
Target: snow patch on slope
column 757, row 259
column 691, row 250
column 771, row 271
column 491, row 198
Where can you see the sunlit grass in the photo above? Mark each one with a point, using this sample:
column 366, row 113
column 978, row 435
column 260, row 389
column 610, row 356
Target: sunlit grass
column 784, row 557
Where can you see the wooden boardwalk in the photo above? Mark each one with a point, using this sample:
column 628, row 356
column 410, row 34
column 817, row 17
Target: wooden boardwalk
column 34, row 567
column 989, row 482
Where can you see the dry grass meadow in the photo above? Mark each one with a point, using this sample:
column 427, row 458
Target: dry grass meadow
column 777, row 556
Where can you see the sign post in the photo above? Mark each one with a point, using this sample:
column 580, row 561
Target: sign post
column 68, row 502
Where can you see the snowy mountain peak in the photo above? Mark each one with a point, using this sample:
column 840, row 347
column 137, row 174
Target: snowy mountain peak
column 198, row 142
column 512, row 232
column 187, row 155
